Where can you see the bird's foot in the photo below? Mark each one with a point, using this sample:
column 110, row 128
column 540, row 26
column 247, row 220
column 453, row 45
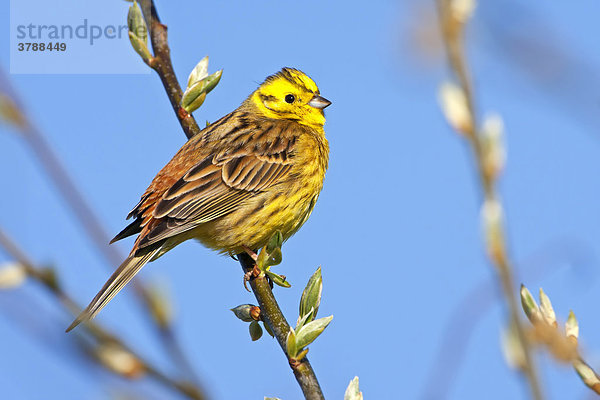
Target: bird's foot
column 249, row 275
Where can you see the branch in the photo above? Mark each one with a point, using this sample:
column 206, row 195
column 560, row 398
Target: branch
column 474, row 305
column 270, row 311
column 105, row 340
column 271, row 314
column 563, row 345
column 85, row 214
column 452, row 22
column 161, row 63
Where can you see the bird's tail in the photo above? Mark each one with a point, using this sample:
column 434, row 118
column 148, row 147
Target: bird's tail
column 115, row 283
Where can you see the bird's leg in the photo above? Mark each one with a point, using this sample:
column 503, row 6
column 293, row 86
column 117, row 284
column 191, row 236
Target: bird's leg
column 254, row 272
column 250, row 252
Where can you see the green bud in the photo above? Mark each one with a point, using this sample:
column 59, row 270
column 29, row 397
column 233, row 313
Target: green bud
column 587, row 374
column 255, row 331
column 352, row 391
column 309, row 332
column 138, row 32
column 275, row 241
column 191, row 104
column 291, row 347
column 572, row 326
column 194, row 95
column 273, row 258
column 136, row 23
column 529, row 305
column 211, row 81
column 546, row 309
column 301, row 355
column 311, row 296
column 140, row 47
column 261, row 260
column 302, row 320
column 199, row 72
column 243, row 312
column 278, row 279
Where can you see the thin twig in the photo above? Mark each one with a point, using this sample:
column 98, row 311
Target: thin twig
column 90, row 222
column 272, row 315
column 473, row 306
column 452, row 35
column 161, row 63
column 50, row 282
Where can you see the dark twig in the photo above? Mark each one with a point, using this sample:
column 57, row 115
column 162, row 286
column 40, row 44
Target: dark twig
column 161, row 63
column 103, row 337
column 271, row 314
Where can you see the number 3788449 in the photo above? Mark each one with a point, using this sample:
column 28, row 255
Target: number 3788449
column 35, row 46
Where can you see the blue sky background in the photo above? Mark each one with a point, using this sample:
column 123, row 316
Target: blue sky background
column 396, row 229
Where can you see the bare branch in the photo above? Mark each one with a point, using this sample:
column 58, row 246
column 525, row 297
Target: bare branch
column 88, row 219
column 104, row 339
column 452, row 28
column 161, row 63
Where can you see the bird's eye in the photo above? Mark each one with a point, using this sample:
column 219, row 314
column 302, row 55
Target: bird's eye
column 289, row 98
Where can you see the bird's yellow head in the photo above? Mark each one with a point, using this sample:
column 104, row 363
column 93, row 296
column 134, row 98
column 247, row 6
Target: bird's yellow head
column 291, row 94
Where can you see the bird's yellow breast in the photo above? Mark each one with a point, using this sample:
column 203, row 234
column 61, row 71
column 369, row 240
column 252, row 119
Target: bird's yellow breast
column 284, row 207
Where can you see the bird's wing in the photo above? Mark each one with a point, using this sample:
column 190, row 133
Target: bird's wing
column 217, row 185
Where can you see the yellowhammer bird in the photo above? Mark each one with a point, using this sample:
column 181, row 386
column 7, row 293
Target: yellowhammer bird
column 257, row 170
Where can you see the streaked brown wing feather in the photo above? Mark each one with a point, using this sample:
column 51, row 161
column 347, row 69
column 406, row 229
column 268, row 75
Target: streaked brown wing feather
column 216, row 186
column 251, row 173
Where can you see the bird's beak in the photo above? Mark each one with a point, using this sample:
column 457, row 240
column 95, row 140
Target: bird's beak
column 319, row 102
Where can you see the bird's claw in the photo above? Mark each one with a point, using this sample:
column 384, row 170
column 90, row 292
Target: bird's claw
column 249, row 275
